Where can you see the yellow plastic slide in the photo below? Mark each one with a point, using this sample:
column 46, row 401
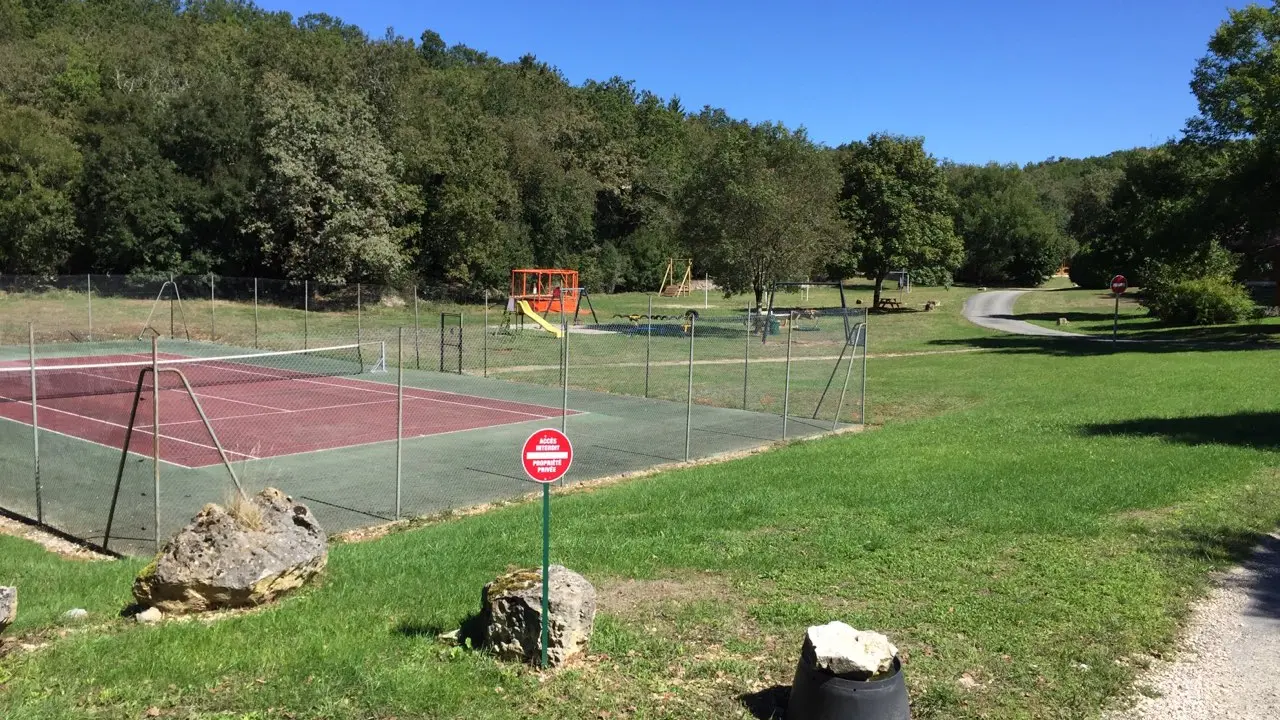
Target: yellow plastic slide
column 524, row 308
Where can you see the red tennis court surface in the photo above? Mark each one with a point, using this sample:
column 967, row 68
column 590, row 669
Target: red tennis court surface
column 266, row 418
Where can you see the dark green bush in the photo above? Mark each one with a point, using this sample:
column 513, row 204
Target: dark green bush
column 931, row 277
column 1091, row 269
column 1205, row 301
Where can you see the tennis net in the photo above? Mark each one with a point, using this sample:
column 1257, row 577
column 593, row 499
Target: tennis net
column 65, row 378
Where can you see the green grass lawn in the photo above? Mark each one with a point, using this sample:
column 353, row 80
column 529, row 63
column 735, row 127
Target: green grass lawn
column 1093, row 312
column 1033, row 518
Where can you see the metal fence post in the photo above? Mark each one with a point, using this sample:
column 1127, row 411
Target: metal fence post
column 88, row 286
column 486, row 333
column 399, row 414
column 359, row 319
column 417, row 332
column 786, row 390
column 866, row 321
column 155, row 437
column 35, row 421
column 688, row 411
column 306, row 310
column 564, row 401
column 213, row 316
column 648, row 343
column 746, row 357
column 255, row 313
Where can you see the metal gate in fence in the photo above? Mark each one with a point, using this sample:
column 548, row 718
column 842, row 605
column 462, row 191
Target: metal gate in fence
column 451, row 342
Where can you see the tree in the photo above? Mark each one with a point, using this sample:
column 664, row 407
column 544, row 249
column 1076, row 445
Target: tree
column 1009, row 237
column 330, row 207
column 1237, row 84
column 1237, row 88
column 760, row 205
column 37, row 168
column 896, row 202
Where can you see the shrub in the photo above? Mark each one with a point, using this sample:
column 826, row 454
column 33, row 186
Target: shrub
column 931, row 277
column 1089, row 269
column 1205, row 301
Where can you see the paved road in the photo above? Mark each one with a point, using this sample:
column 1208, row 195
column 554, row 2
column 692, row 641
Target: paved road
column 995, row 310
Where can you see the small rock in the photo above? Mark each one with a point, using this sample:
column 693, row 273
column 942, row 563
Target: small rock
column 75, row 614
column 451, row 636
column 8, row 606
column 148, row 616
column 1063, row 321
column 842, row 650
column 512, row 613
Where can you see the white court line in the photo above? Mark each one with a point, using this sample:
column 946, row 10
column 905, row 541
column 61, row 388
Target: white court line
column 136, row 429
column 543, row 416
column 232, row 400
column 282, row 412
column 391, row 440
column 330, row 407
column 386, row 392
column 95, row 442
column 77, row 437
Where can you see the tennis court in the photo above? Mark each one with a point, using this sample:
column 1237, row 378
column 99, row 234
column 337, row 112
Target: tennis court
column 326, row 425
column 257, row 408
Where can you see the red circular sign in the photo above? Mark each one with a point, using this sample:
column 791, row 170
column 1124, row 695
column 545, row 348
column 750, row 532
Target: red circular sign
column 547, row 455
column 1119, row 284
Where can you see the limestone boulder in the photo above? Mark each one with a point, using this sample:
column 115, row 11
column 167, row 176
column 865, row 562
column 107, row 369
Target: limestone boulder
column 8, row 606
column 512, row 615
column 251, row 554
column 843, row 650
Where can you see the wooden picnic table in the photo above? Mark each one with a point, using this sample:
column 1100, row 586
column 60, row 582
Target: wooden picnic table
column 887, row 303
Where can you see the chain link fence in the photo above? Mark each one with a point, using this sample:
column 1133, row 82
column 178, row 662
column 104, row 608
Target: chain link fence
column 392, row 401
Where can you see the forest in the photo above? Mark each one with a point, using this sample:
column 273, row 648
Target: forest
column 212, row 136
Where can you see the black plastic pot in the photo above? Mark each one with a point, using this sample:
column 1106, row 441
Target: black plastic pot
column 819, row 695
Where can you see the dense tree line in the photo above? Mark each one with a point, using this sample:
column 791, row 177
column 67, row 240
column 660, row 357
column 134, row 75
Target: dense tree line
column 141, row 136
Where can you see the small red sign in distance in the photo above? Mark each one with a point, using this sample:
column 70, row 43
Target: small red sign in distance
column 1119, row 284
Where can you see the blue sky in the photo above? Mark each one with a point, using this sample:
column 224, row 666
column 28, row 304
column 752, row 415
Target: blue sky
column 981, row 80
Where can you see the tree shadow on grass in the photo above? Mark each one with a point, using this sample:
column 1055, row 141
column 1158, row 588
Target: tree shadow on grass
column 767, row 704
column 1259, row 430
column 1257, row 554
column 1075, row 317
column 1064, row 346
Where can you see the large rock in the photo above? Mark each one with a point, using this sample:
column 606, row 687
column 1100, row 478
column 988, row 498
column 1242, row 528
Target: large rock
column 261, row 549
column 841, row 650
column 512, row 615
column 8, row 606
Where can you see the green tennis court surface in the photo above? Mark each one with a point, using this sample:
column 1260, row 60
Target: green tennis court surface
column 355, row 486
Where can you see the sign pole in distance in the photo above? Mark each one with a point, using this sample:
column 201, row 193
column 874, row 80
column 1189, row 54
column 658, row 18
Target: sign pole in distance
column 546, row 455
column 1118, row 285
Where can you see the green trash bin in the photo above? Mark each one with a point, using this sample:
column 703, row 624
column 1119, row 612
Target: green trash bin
column 775, row 325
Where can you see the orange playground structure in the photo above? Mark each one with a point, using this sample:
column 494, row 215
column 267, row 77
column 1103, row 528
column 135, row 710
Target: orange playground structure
column 546, row 291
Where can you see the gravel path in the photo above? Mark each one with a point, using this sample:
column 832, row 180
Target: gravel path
column 995, row 310
column 1229, row 668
